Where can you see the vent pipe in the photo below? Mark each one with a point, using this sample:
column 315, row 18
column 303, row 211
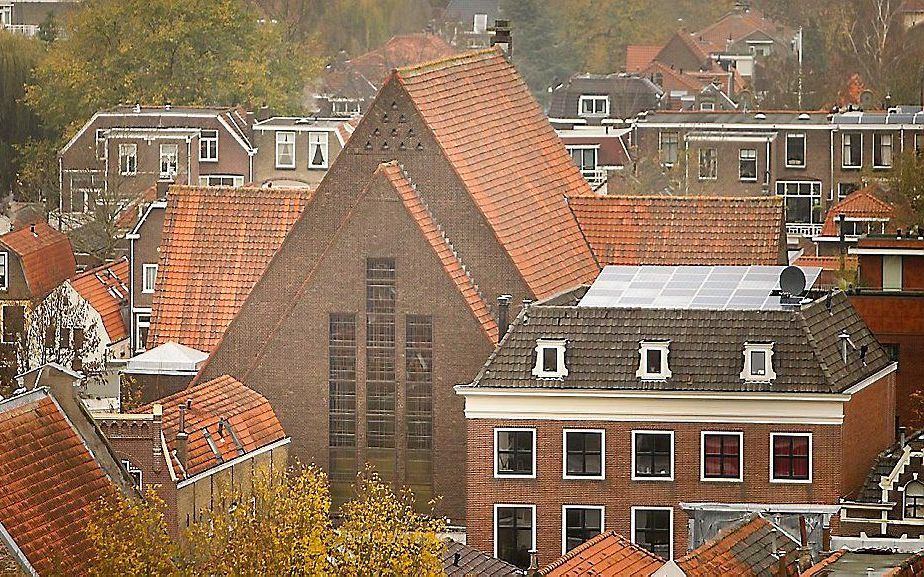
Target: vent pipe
column 503, row 315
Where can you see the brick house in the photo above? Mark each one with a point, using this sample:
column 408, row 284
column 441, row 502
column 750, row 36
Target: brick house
column 864, row 213
column 121, row 152
column 398, row 260
column 297, row 151
column 669, row 401
column 195, row 445
column 143, row 258
column 889, row 298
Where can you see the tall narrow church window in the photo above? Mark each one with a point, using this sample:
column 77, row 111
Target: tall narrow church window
column 380, row 352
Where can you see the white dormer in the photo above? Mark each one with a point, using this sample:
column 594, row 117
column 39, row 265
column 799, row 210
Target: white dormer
column 758, row 363
column 597, row 105
column 550, row 359
column 652, row 364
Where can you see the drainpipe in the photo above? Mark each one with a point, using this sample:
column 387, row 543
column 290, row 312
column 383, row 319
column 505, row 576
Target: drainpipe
column 841, row 242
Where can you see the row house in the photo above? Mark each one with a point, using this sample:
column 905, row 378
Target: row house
column 302, row 150
column 122, row 152
column 812, row 160
column 668, row 401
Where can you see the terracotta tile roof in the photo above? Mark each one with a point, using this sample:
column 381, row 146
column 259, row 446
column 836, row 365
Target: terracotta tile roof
column 442, row 246
column 106, row 289
column 672, row 79
column 860, row 204
column 46, row 254
column 678, row 230
column 832, row 263
column 640, row 56
column 472, row 562
column 821, row 566
column 746, row 550
column 51, row 483
column 216, row 245
column 606, row 555
column 734, row 26
column 500, row 143
column 247, row 418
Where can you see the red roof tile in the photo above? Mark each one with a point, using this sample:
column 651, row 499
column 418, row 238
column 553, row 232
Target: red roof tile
column 106, row 288
column 250, row 416
column 606, row 555
column 216, row 245
column 862, row 204
column 734, row 26
column 672, row 79
column 747, row 549
column 817, row 568
column 51, row 484
column 832, row 263
column 682, row 230
column 513, row 164
column 46, row 254
column 640, row 56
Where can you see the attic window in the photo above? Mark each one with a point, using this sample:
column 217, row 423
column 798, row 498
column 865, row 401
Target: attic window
column 758, row 363
column 550, row 359
column 593, row 105
column 653, row 361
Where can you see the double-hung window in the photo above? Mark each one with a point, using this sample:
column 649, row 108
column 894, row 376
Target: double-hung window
column 852, row 150
column 653, row 361
column 100, row 143
column 285, row 149
column 722, row 458
column 795, row 150
column 791, row 457
column 14, row 322
column 652, row 455
column 669, row 146
column 758, row 363
column 128, row 159
column 550, row 359
column 708, row 164
column 652, row 528
column 584, row 453
column 882, row 150
column 317, row 150
column 914, row 500
column 802, row 199
column 515, row 453
column 579, row 524
column 747, row 165
column 148, row 277
column 593, row 105
column 142, row 325
column 168, row 161
column 208, row 145
column 514, row 533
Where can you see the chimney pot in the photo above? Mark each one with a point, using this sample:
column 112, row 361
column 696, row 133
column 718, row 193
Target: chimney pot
column 455, row 559
column 901, row 435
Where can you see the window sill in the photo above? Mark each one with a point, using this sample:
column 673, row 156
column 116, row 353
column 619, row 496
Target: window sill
column 791, row 481
column 583, row 477
column 147, row 292
column 654, row 479
column 721, row 480
column 208, row 160
column 876, row 167
column 317, row 168
column 798, row 166
column 708, row 179
column 284, row 167
column 128, row 174
column 751, row 180
column 860, row 167
column 512, row 476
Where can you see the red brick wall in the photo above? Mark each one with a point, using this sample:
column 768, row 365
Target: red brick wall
column 869, row 419
column 618, row 492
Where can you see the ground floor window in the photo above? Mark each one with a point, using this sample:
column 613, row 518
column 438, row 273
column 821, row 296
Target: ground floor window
column 652, row 529
column 580, row 524
column 514, row 533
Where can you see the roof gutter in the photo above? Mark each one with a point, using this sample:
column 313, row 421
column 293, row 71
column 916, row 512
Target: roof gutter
column 887, row 370
column 16, row 552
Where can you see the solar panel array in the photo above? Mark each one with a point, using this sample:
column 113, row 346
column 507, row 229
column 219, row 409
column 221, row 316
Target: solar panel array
column 691, row 287
column 909, row 117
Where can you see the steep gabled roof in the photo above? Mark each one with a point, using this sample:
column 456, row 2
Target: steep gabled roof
column 606, row 555
column 501, row 145
column 862, row 204
column 106, row 289
column 226, row 419
column 638, row 56
column 51, row 483
column 684, row 40
column 46, row 254
column 747, row 549
column 216, row 245
column 734, row 26
column 471, row 562
column 672, row 79
column 679, row 230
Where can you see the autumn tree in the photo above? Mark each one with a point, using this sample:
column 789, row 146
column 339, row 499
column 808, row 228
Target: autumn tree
column 907, row 181
column 60, row 330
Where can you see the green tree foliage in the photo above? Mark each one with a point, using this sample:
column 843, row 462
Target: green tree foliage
column 18, row 58
column 907, row 181
column 196, row 52
column 539, row 53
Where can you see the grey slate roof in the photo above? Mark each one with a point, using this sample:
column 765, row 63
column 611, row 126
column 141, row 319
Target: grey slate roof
column 473, row 562
column 628, row 94
column 706, row 351
column 871, row 492
column 770, row 118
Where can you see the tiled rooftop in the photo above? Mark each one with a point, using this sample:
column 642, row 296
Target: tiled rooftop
column 747, row 549
column 639, row 56
column 472, row 562
column 606, row 555
column 106, row 289
column 236, row 418
column 51, row 483
column 216, row 244
column 862, row 204
column 683, row 230
column 513, row 164
column 46, row 254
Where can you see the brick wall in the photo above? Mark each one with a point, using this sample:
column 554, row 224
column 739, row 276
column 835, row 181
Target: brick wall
column 869, row 418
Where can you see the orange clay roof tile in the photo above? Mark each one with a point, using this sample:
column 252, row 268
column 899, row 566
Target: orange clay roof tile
column 46, row 254
column 682, row 230
column 216, row 245
column 606, row 555
column 510, row 160
column 640, row 56
column 747, row 549
column 106, row 288
column 862, row 204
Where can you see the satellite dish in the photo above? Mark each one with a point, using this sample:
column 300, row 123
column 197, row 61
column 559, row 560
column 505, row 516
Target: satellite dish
column 792, row 281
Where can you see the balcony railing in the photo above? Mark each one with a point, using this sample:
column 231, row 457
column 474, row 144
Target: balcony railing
column 594, row 176
column 24, row 29
column 803, row 229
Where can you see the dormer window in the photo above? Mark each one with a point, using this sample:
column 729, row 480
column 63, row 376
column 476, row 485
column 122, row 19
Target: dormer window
column 593, row 105
column 653, row 361
column 550, row 359
column 758, row 363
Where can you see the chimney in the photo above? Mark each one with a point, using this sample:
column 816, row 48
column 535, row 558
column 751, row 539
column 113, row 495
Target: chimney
column 157, row 423
column 502, row 37
column 781, row 566
column 901, row 435
column 456, row 558
column 32, row 230
column 533, row 570
column 841, row 242
column 826, row 535
column 503, row 312
column 182, row 437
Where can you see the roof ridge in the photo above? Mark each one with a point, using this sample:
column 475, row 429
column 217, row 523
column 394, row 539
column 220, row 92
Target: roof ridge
column 430, row 65
column 97, row 268
column 593, row 541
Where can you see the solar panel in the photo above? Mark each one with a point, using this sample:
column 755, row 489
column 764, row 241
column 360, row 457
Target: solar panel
column 691, row 287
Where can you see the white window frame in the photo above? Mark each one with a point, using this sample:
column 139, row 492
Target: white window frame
column 741, row 159
column 139, row 324
column 322, row 141
column 145, row 288
column 280, row 135
column 897, row 274
column 637, row 432
column 594, row 98
column 165, row 154
column 702, row 458
column 130, row 468
column 634, row 508
column 564, row 455
column 564, row 522
column 517, row 506
column 481, row 19
column 746, row 374
column 715, row 163
column 844, row 156
column 5, row 267
column 99, row 143
column 499, row 475
column 797, row 136
column 211, row 146
column 237, row 180
column 539, row 369
column 6, row 15
column 345, row 107
column 676, row 145
column 879, row 142
column 642, row 372
column 128, row 151
column 811, row 463
column 904, row 490
column 707, row 106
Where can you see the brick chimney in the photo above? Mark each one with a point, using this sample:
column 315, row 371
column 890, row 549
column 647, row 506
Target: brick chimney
column 503, row 315
column 182, row 437
column 157, row 425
